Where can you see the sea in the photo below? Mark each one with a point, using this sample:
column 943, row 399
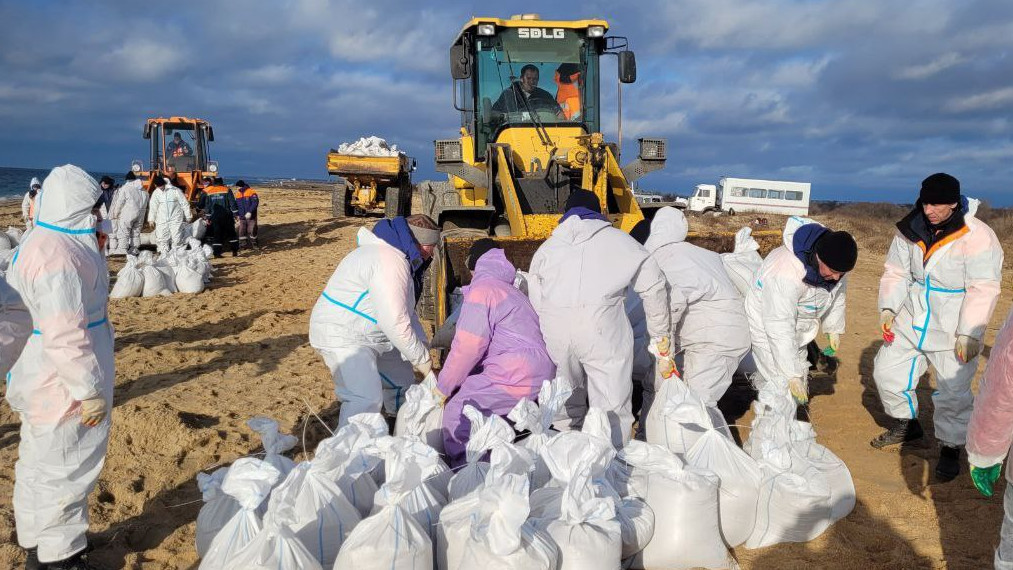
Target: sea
column 14, row 181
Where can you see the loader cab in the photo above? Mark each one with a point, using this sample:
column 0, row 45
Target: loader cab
column 526, row 72
column 181, row 145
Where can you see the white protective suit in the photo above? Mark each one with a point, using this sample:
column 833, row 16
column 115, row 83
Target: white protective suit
column 643, row 361
column 707, row 314
column 785, row 313
column 578, row 283
column 26, row 204
column 64, row 282
column 168, row 210
column 15, row 327
column 127, row 214
column 365, row 327
column 950, row 290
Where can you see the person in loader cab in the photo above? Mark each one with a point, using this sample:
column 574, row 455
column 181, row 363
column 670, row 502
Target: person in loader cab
column 178, row 147
column 578, row 282
column 525, row 94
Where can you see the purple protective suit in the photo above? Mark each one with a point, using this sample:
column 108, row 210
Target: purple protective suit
column 498, row 355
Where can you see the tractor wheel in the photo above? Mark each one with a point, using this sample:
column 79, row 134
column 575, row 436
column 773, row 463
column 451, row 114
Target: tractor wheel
column 398, row 199
column 341, row 201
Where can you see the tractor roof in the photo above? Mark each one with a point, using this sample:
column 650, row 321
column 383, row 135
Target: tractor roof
column 163, row 120
column 528, row 21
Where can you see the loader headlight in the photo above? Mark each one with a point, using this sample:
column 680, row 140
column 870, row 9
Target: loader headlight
column 486, row 30
column 652, row 149
column 448, row 150
column 596, row 31
column 213, row 167
column 136, row 167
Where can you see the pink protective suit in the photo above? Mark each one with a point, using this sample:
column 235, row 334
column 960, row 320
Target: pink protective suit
column 498, row 355
column 990, row 431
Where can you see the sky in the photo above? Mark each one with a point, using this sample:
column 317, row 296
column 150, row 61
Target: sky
column 863, row 98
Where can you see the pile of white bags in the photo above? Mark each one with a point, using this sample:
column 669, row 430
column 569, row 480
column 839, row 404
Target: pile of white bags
column 369, row 146
column 368, row 500
column 181, row 270
column 678, row 418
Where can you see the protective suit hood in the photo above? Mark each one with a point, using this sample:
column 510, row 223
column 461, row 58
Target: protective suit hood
column 397, row 233
column 575, row 230
column 65, row 202
column 669, row 226
column 494, row 265
column 35, row 181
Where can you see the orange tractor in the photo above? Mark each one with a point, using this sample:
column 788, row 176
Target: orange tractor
column 179, row 145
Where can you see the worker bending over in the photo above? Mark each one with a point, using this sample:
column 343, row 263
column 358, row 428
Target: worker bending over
column 940, row 285
column 578, row 283
column 799, row 289
column 364, row 324
column 498, row 356
column 62, row 386
column 707, row 314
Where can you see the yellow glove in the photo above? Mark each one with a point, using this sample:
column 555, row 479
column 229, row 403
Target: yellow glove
column 886, row 317
column 666, row 368
column 799, row 388
column 968, row 348
column 93, row 411
column 664, row 346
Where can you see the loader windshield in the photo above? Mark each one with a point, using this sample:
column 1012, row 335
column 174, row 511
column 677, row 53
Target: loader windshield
column 182, row 146
column 535, row 75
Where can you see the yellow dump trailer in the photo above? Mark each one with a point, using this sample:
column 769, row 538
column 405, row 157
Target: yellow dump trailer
column 371, row 183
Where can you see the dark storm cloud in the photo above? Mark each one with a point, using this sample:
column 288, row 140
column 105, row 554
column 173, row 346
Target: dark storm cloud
column 862, row 98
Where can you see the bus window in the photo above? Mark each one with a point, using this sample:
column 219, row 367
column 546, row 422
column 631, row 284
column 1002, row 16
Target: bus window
column 757, row 193
column 792, row 195
column 774, row 194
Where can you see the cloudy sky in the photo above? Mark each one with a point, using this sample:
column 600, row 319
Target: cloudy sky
column 863, row 98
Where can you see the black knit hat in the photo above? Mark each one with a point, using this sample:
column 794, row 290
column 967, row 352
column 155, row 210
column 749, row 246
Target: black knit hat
column 837, row 250
column 130, row 176
column 107, row 180
column 940, row 188
column 641, row 231
column 240, row 184
column 583, row 199
column 478, row 249
column 158, row 181
column 219, row 181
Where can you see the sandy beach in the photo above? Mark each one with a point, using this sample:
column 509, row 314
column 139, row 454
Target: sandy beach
column 191, row 369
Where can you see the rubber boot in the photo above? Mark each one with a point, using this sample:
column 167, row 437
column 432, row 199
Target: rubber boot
column 900, row 431
column 949, row 464
column 32, row 559
column 76, row 562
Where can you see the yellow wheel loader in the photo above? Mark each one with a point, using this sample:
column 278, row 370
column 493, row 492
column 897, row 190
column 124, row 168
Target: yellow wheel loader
column 529, row 95
column 528, row 91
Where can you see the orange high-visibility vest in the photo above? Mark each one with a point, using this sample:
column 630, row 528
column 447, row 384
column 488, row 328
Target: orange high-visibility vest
column 568, row 95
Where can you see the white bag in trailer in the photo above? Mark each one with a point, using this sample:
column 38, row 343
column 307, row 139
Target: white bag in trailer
column 219, row 508
column 421, row 414
column 501, row 537
column 249, row 482
column 537, row 419
column 487, row 433
column 740, row 478
column 345, row 458
column 687, row 530
column 276, row 546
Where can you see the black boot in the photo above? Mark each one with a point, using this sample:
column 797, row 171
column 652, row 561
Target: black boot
column 76, row 562
column 900, row 431
column 949, row 463
column 32, row 559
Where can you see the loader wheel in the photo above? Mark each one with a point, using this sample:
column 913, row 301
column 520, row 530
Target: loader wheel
column 398, row 200
column 341, row 201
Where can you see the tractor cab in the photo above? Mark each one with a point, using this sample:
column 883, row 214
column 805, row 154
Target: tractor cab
column 179, row 146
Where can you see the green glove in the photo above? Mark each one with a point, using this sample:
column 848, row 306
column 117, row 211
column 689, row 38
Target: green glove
column 985, row 477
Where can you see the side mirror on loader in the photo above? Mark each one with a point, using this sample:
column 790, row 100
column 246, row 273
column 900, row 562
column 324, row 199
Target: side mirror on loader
column 460, row 62
column 627, row 67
